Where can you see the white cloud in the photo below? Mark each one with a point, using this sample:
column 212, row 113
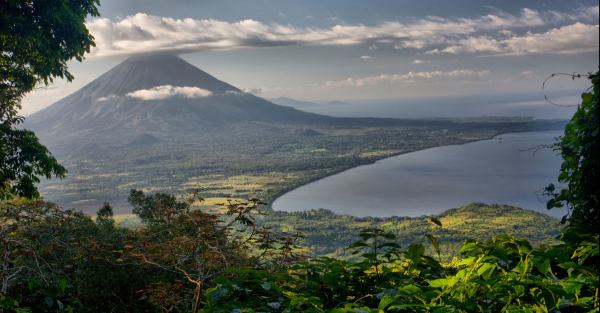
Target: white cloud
column 253, row 90
column 530, row 74
column 168, row 91
column 419, row 61
column 141, row 32
column 107, row 98
column 575, row 38
column 366, row 57
column 410, row 77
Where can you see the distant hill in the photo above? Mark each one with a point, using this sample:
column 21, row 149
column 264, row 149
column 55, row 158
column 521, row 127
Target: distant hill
column 328, row 233
column 293, row 103
column 304, row 105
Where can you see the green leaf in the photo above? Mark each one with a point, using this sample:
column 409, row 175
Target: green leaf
column 486, row 270
column 434, row 243
column 385, row 302
column 439, row 283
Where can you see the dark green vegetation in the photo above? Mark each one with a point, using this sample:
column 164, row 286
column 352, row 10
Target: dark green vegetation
column 326, row 233
column 37, row 38
column 185, row 260
column 580, row 170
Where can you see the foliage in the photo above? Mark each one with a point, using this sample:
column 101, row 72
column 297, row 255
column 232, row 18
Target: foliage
column 37, row 38
column 60, row 261
column 502, row 275
column 327, row 233
column 580, row 170
column 22, row 161
column 56, row 260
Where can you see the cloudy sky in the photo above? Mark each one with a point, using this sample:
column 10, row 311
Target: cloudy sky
column 324, row 50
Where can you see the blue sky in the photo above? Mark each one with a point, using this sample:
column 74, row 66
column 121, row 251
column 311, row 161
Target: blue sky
column 349, row 50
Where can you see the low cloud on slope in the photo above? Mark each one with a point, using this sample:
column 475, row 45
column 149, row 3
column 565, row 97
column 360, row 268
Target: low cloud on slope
column 164, row 92
column 168, row 91
column 142, row 33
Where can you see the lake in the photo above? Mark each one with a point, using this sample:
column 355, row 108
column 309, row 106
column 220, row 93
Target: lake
column 503, row 170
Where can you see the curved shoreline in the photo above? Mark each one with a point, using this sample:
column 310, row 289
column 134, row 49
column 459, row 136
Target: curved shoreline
column 278, row 195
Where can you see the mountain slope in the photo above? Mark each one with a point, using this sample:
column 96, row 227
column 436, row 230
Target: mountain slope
column 107, row 102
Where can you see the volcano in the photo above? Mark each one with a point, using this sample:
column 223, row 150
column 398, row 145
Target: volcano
column 158, row 92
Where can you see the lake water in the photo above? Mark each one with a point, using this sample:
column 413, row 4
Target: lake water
column 503, row 170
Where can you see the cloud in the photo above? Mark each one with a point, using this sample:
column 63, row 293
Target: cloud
column 109, row 97
column 253, row 90
column 528, row 73
column 366, row 57
column 575, row 38
column 410, row 77
column 142, row 33
column 168, row 91
column 419, row 61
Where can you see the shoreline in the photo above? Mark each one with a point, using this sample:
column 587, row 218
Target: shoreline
column 278, row 195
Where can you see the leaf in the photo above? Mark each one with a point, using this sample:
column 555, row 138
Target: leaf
column 469, row 247
column 415, row 252
column 543, row 265
column 409, row 290
column 435, row 220
column 434, row 243
column 62, row 285
column 439, row 283
column 467, row 261
column 486, row 270
column 385, row 302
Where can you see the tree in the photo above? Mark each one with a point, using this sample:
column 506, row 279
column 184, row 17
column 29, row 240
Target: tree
column 37, row 38
column 580, row 170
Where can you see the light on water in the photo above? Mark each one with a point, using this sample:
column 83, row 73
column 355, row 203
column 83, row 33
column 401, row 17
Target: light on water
column 503, row 170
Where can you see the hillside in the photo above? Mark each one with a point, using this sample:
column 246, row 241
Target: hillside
column 327, row 233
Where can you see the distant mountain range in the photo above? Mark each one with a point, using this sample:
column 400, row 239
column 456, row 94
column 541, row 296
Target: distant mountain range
column 304, row 105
